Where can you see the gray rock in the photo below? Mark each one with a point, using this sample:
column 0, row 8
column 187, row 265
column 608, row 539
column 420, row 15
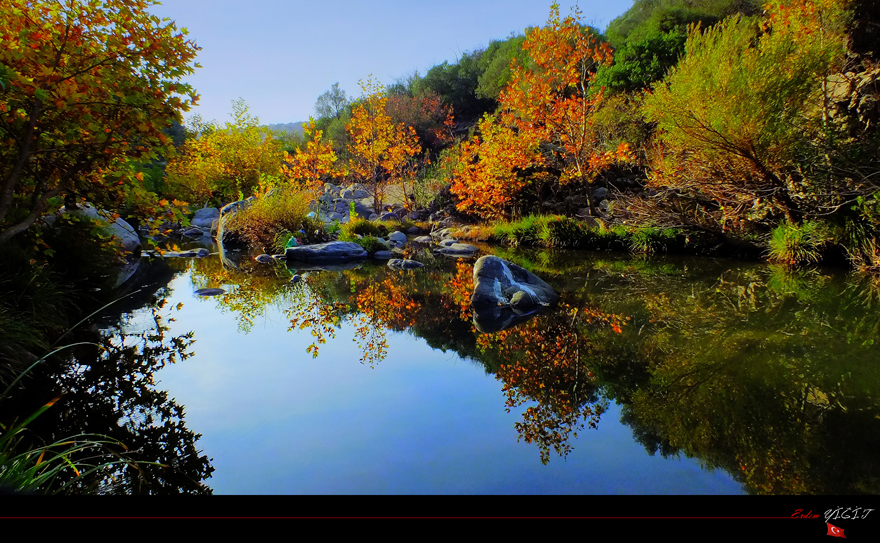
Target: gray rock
column 398, row 237
column 334, row 251
column 599, row 194
column 442, row 233
column 194, row 232
column 448, row 242
column 400, row 264
column 265, row 259
column 205, row 217
column 210, row 291
column 372, row 217
column 295, row 279
column 125, row 234
column 362, row 211
column 424, row 239
column 389, row 217
column 382, row 255
column 416, row 215
column 498, row 282
column 458, row 249
column 354, row 193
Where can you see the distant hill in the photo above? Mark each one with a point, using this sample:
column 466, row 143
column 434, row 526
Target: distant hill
column 287, row 127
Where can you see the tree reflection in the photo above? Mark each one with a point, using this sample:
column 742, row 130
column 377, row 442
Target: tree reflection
column 111, row 391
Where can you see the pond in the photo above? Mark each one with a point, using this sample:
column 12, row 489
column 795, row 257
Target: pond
column 650, row 376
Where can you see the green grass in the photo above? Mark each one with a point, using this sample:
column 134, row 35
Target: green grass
column 797, row 244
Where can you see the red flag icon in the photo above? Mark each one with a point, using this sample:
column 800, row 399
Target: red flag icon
column 835, row 531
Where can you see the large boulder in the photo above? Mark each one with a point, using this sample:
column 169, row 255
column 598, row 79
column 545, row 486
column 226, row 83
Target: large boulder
column 205, row 217
column 334, row 251
column 499, row 283
column 125, row 234
column 458, row 249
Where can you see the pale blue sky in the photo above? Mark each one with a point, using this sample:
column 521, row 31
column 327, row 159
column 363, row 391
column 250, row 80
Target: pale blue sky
column 280, row 55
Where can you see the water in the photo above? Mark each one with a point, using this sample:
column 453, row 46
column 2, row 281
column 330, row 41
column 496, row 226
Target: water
column 652, row 376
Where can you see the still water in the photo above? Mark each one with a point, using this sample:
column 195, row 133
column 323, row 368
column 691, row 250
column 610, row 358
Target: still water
column 651, row 376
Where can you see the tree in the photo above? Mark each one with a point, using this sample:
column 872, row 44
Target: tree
column 86, row 86
column 549, row 109
column 379, row 148
column 225, row 163
column 332, row 103
column 307, row 168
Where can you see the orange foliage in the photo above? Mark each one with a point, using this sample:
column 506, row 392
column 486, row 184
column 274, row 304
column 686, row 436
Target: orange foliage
column 307, row 169
column 547, row 108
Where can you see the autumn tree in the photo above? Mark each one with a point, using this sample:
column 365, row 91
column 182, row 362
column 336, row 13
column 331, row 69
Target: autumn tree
column 379, row 148
column 308, row 167
column 85, row 87
column 550, row 105
column 227, row 162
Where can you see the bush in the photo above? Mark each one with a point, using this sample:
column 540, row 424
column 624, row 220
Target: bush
column 797, row 244
column 263, row 222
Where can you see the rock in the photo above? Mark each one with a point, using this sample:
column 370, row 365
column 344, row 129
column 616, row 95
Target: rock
column 382, row 255
column 448, row 242
column 497, row 282
column 372, row 217
column 193, row 232
column 424, row 239
column 599, row 194
column 265, row 259
column 362, row 211
column 416, row 215
column 205, row 217
column 125, row 234
column 442, row 233
column 210, row 291
column 400, row 264
column 506, row 295
column 352, row 193
column 414, row 230
column 397, row 237
column 295, row 279
column 458, row 249
column 334, row 251
column 389, row 217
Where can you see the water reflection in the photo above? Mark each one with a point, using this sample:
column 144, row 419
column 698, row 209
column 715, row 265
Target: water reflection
column 107, row 388
column 769, row 373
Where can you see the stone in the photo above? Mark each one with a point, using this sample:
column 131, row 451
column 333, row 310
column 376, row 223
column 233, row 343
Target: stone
column 599, row 194
column 194, row 232
column 265, row 259
column 205, row 217
column 506, row 295
column 402, row 264
column 334, row 251
column 125, row 234
column 424, row 239
column 389, row 217
column 210, row 291
column 448, row 242
column 397, row 237
column 416, row 215
column 442, row 233
column 382, row 255
column 497, row 282
column 458, row 249
column 295, row 279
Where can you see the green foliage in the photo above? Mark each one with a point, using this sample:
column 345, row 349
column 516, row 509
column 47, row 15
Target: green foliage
column 798, row 244
column 638, row 64
column 496, row 62
column 738, row 111
column 360, row 227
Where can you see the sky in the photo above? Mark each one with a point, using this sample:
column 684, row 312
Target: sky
column 280, row 55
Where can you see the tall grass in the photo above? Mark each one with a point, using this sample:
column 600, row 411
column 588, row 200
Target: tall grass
column 261, row 223
column 797, row 244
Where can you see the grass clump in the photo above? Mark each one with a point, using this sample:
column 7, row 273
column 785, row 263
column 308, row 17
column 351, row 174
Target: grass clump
column 650, row 239
column 359, row 227
column 264, row 222
column 797, row 244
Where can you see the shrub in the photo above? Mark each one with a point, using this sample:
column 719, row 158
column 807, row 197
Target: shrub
column 649, row 239
column 261, row 223
column 797, row 244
